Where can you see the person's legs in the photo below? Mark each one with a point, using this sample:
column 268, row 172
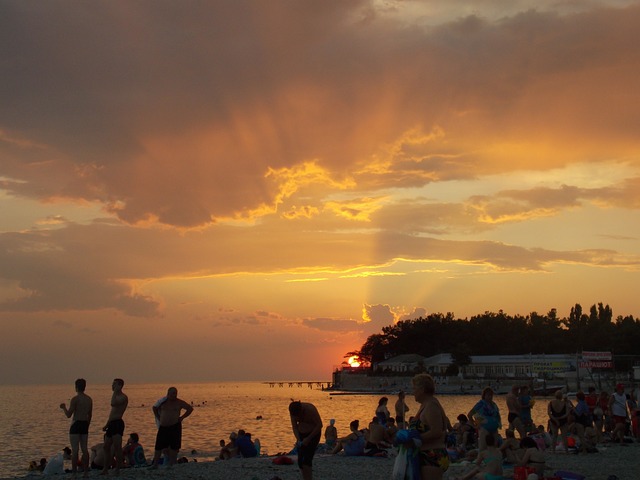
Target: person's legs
column 554, row 436
column 580, row 433
column 482, row 440
column 108, row 455
column 563, row 436
column 618, row 431
column 175, row 443
column 435, row 473
column 519, row 427
column 160, row 445
column 74, row 439
column 117, row 450
column 307, row 473
column 156, row 458
column 173, row 457
column 84, row 461
column 599, row 429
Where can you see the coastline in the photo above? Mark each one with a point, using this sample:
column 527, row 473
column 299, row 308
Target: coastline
column 621, row 461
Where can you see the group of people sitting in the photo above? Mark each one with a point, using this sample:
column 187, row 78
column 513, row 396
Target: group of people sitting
column 488, row 461
column 374, row 440
column 572, row 427
column 240, row 445
column 133, row 454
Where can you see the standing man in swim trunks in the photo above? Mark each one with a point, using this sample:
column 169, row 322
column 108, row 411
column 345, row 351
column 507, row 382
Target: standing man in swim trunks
column 170, row 426
column 513, row 405
column 401, row 409
column 307, row 428
column 81, row 408
column 114, row 429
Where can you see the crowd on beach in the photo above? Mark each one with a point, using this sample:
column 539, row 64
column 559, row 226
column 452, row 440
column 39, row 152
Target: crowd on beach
column 424, row 443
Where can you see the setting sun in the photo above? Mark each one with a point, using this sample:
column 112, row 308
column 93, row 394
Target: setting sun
column 353, row 362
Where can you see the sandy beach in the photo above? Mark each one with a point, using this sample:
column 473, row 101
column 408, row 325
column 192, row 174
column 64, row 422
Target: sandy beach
column 622, row 461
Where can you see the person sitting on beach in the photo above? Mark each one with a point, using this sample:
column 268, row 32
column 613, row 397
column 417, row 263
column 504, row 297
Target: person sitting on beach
column 133, row 452
column 382, row 412
column 377, row 439
column 465, row 433
column 583, row 438
column 488, row 464
column 222, row 446
column 542, row 437
column 331, row 435
column 532, row 456
column 245, row 446
column 353, row 444
column 392, row 429
column 510, row 447
column 229, row 450
column 98, row 457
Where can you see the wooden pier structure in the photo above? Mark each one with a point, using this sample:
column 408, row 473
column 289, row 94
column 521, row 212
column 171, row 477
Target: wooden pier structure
column 317, row 384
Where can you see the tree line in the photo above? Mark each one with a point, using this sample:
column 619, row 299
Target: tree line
column 501, row 334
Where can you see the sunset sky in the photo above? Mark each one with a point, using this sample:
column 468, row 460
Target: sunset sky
column 246, row 190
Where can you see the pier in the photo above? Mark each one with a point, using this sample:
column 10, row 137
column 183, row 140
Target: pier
column 317, row 384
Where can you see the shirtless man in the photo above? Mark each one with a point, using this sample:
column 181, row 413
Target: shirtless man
column 378, row 437
column 307, row 428
column 513, row 405
column 401, row 409
column 114, row 429
column 170, row 430
column 81, row 408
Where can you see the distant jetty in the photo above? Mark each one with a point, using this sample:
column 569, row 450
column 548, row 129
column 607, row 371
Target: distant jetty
column 309, row 384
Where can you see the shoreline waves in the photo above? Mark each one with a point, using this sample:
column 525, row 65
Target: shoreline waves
column 621, row 461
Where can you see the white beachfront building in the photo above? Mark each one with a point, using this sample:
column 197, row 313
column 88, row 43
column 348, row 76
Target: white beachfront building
column 483, row 366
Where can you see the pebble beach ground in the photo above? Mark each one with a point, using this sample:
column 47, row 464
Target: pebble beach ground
column 621, row 461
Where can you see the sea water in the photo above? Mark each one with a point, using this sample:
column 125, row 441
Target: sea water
column 32, row 425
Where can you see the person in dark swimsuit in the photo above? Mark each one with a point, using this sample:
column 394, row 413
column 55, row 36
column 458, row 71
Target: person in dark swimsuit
column 558, row 411
column 431, row 422
column 307, row 428
column 81, row 408
column 114, row 429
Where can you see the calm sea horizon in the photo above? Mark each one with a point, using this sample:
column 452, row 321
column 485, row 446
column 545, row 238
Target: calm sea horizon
column 32, row 425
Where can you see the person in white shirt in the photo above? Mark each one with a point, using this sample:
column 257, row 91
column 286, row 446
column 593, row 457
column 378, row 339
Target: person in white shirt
column 619, row 412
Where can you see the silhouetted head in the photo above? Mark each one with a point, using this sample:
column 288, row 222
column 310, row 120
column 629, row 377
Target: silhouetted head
column 81, row 384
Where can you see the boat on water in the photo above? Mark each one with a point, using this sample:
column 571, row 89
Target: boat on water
column 546, row 391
